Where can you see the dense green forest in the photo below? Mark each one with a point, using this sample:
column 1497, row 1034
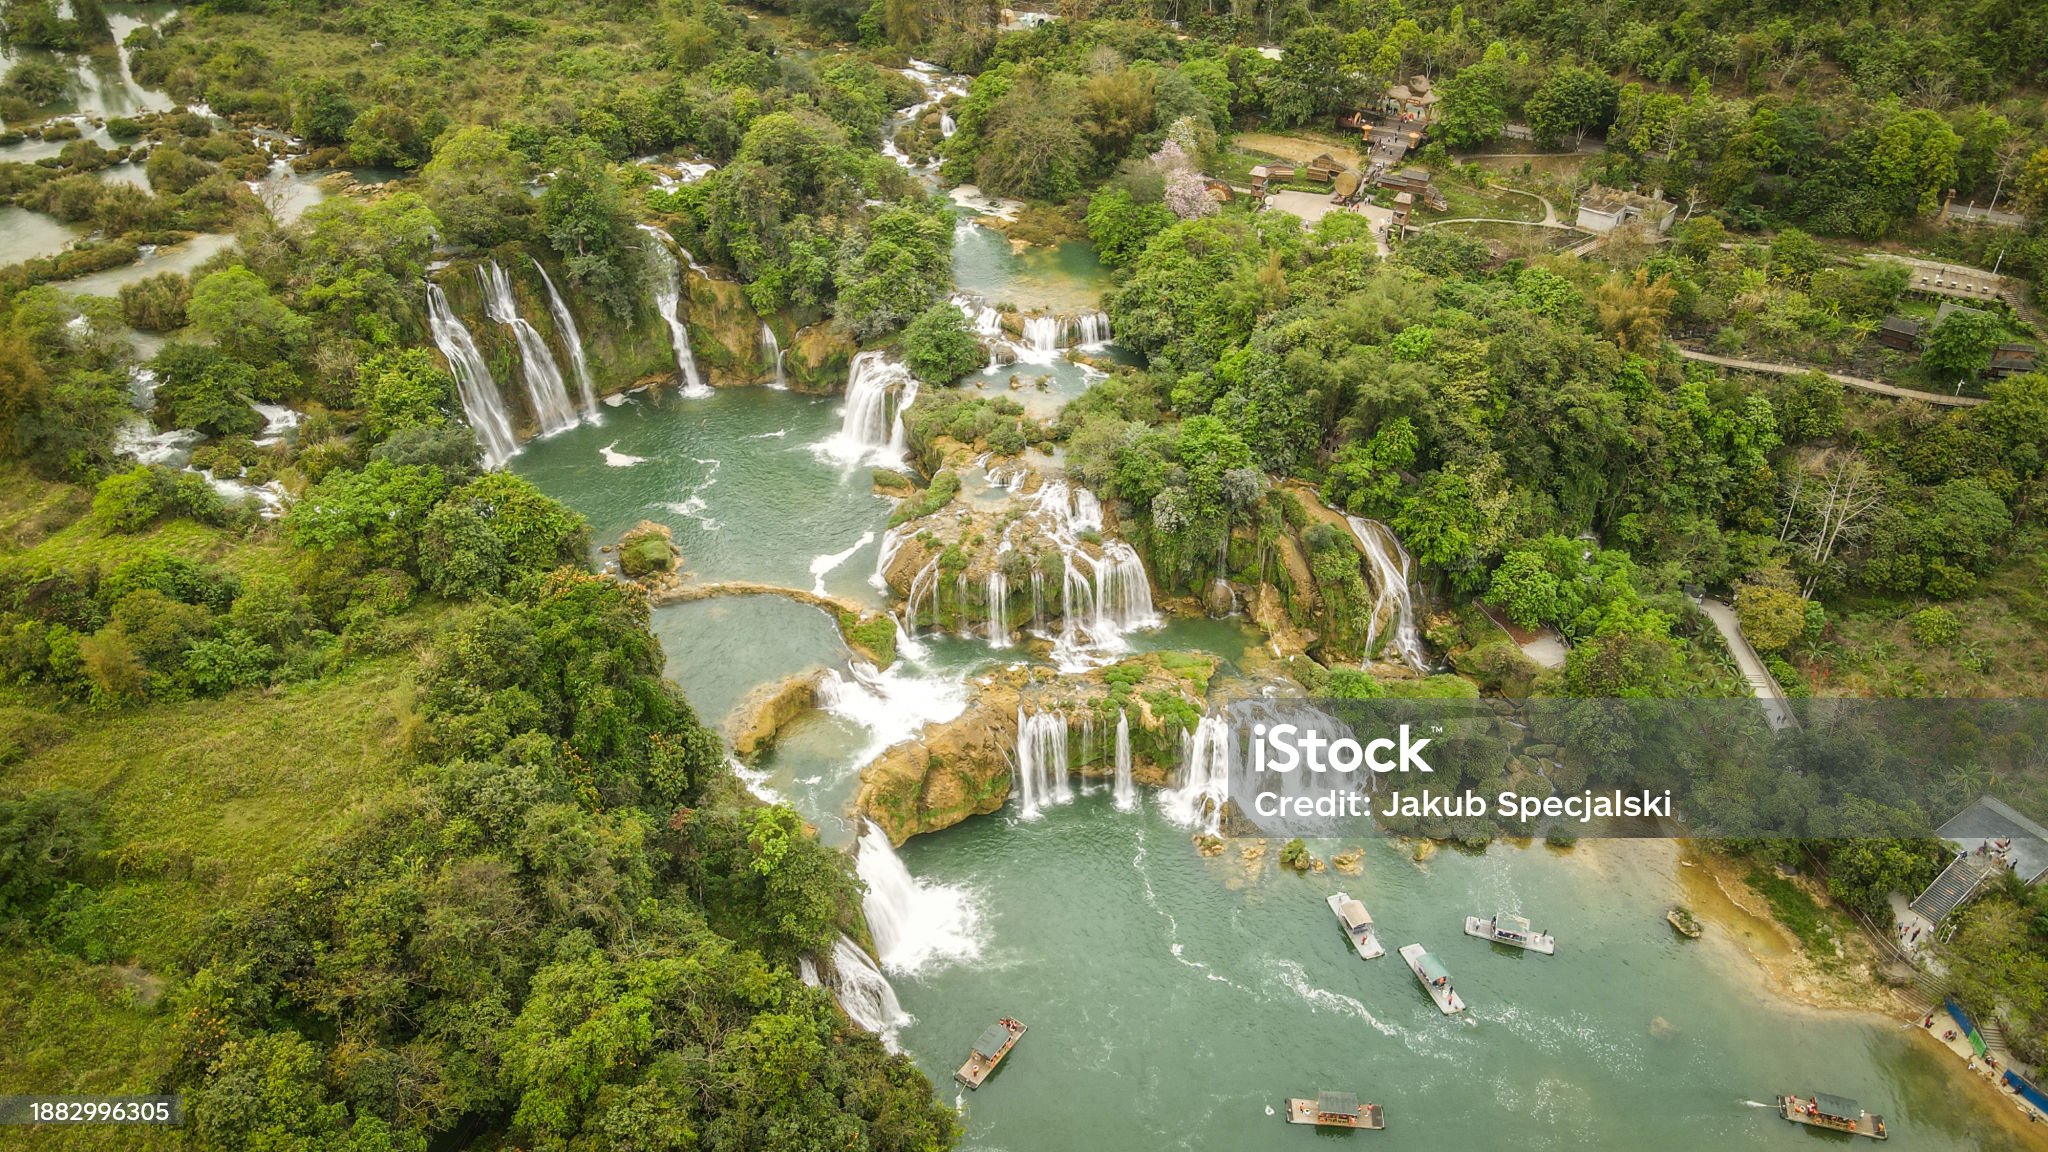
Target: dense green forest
column 497, row 886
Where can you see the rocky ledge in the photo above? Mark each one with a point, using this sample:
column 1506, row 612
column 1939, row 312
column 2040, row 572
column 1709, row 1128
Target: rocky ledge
column 965, row 766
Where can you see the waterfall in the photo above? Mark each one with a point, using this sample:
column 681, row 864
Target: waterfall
column 1126, row 791
column 914, row 922
column 668, row 299
column 891, row 706
column 871, row 427
column 1094, row 329
column 537, row 368
column 771, row 350
column 565, row 326
column 986, row 322
column 1037, row 600
column 1393, row 594
column 998, row 619
column 481, row 404
column 922, row 586
column 892, row 540
column 946, row 125
column 866, row 995
column 1041, row 762
column 961, row 627
column 1043, row 336
column 1205, row 777
column 1104, row 593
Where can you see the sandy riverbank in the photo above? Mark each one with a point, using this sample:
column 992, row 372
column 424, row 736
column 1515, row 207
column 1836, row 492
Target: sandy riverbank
column 1741, row 930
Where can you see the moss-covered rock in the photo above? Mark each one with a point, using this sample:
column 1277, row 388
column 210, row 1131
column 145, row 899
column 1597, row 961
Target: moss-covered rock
column 871, row 636
column 647, row 550
column 759, row 718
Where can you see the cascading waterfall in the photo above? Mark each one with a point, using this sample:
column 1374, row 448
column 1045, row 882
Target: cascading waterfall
column 1205, row 777
column 1041, row 762
column 1043, row 337
column 923, row 586
column 1104, row 593
column 998, row 591
column 914, row 922
column 1094, row 329
column 771, row 351
column 946, row 125
column 668, row 300
column 1393, row 593
column 565, row 325
column 866, row 995
column 961, row 627
column 481, row 404
column 1037, row 601
column 1126, row 791
column 871, row 427
column 892, row 541
column 986, row 322
column 537, row 368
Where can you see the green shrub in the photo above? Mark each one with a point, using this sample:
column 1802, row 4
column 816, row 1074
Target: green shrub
column 156, row 304
column 1934, row 627
column 1295, row 854
column 935, row 496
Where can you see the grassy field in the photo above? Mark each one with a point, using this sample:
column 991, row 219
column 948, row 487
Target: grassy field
column 201, row 801
column 47, row 525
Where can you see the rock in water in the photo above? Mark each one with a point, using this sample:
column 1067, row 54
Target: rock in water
column 647, row 549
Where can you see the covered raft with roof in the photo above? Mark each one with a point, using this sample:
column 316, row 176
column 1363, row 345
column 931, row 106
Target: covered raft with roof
column 988, row 1051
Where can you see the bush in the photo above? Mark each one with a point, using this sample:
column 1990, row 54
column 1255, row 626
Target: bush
column 1935, row 627
column 133, row 500
column 156, row 304
column 645, row 550
column 1295, row 854
column 938, row 347
column 939, row 494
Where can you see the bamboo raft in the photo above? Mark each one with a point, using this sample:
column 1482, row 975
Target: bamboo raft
column 1832, row 1114
column 1435, row 978
column 1357, row 925
column 1335, row 1110
column 995, row 1043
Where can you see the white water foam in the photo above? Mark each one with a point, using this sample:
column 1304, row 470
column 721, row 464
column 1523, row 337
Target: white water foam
column 916, row 923
column 618, row 459
column 822, row 565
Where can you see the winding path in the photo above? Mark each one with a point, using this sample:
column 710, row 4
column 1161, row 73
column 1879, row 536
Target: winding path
column 1856, row 382
column 1761, row 683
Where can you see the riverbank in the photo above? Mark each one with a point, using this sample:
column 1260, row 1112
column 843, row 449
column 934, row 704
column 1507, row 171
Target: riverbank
column 1744, row 936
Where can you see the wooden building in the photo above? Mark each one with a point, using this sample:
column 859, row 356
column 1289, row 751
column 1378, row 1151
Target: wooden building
column 1324, row 169
column 2011, row 360
column 1899, row 332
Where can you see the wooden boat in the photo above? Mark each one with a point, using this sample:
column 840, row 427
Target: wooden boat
column 1436, row 979
column 1357, row 924
column 1510, row 930
column 1833, row 1114
column 1684, row 921
column 995, row 1043
column 1335, row 1110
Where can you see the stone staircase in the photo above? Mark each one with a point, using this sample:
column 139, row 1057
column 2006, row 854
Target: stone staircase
column 1956, row 884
